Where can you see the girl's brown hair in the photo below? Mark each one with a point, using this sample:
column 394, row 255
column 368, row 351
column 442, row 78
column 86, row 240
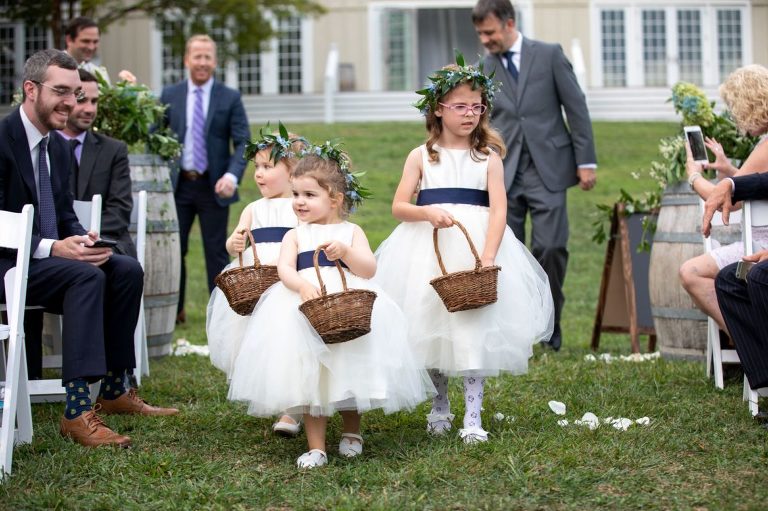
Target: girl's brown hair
column 328, row 175
column 482, row 139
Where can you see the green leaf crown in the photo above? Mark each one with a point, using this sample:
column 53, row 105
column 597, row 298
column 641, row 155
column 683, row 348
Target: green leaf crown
column 355, row 192
column 282, row 143
column 447, row 79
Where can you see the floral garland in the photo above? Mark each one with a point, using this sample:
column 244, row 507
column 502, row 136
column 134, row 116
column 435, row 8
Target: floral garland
column 331, row 150
column 281, row 144
column 445, row 80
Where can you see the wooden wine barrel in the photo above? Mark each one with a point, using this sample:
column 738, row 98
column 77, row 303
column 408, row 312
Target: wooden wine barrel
column 163, row 255
column 681, row 328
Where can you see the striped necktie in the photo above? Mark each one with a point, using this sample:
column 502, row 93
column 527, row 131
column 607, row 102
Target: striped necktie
column 199, row 152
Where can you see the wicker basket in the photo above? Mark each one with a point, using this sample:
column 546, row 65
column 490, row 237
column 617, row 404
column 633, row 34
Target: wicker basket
column 469, row 289
column 243, row 286
column 339, row 317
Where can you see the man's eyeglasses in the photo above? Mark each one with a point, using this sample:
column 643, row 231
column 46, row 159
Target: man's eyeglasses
column 463, row 108
column 79, row 94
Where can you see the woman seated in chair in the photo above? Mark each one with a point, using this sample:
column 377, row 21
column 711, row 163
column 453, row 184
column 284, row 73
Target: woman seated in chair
column 745, row 93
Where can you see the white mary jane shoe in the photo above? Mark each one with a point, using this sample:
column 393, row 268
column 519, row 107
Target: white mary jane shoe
column 349, row 447
column 312, row 459
column 473, row 435
column 438, row 424
column 286, row 428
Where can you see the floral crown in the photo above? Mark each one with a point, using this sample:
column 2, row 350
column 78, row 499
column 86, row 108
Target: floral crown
column 281, row 144
column 445, row 80
column 331, row 150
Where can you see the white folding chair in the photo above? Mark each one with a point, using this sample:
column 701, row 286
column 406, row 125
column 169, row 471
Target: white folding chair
column 139, row 217
column 15, row 233
column 716, row 356
column 755, row 215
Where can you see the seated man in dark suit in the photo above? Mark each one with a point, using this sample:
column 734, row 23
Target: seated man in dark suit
column 102, row 168
column 744, row 303
column 97, row 292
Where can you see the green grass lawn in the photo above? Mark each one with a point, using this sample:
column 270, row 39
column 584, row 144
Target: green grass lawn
column 701, row 450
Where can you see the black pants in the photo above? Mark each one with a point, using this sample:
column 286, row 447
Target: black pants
column 745, row 309
column 99, row 306
column 197, row 198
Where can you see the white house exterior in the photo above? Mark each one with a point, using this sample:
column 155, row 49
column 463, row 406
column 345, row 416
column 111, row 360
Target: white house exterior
column 627, row 53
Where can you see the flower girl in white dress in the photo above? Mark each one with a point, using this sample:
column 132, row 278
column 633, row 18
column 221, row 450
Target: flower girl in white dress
column 269, row 218
column 458, row 175
column 283, row 363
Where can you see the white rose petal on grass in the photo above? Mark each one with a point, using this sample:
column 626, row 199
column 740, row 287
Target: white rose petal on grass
column 589, row 357
column 622, row 423
column 562, row 423
column 606, row 357
column 557, row 407
column 499, row 416
column 589, row 419
column 643, row 421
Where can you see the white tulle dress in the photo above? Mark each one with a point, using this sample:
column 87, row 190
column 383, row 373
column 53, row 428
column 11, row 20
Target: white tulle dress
column 480, row 342
column 224, row 327
column 284, row 366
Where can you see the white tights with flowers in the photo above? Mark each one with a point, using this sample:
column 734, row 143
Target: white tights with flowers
column 473, row 398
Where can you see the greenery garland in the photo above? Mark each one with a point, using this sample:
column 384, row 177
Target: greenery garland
column 445, row 80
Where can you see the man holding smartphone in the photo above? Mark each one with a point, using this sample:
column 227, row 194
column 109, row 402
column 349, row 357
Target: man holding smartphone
column 743, row 302
column 97, row 292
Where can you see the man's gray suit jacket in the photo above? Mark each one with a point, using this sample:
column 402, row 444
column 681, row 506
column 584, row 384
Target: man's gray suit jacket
column 532, row 109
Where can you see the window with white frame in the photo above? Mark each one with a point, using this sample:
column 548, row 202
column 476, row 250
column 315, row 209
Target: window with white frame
column 13, row 56
column 399, row 49
column 689, row 48
column 289, row 55
column 648, row 44
column 173, row 56
column 613, row 48
column 729, row 46
column 249, row 73
column 655, row 47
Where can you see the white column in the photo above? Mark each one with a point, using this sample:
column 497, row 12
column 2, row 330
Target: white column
column 307, row 56
column 269, row 63
column 375, row 50
column 633, row 46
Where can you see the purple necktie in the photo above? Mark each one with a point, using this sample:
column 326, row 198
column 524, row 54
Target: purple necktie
column 48, row 229
column 199, row 153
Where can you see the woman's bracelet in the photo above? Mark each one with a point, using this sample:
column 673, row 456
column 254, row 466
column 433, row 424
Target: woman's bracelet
column 693, row 177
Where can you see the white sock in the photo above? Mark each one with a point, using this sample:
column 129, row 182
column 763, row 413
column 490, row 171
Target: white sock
column 440, row 403
column 473, row 401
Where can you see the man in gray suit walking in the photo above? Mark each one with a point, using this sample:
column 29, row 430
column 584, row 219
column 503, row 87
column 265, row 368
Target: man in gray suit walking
column 544, row 158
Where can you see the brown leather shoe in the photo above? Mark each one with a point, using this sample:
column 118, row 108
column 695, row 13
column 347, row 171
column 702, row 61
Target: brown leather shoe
column 131, row 403
column 89, row 430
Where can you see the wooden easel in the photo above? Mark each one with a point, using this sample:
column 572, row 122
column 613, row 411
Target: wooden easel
column 617, row 307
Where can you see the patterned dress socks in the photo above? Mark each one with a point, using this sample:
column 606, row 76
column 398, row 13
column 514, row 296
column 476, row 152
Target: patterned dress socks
column 440, row 403
column 113, row 385
column 78, row 398
column 473, row 401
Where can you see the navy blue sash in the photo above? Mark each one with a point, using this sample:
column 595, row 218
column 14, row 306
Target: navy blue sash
column 269, row 234
column 304, row 260
column 453, row 196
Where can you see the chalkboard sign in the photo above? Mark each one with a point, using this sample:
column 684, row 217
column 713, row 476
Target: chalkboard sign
column 624, row 305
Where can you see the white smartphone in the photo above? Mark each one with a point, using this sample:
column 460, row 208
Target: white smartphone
column 696, row 141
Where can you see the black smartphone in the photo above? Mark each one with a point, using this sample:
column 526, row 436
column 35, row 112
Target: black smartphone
column 696, row 141
column 104, row 243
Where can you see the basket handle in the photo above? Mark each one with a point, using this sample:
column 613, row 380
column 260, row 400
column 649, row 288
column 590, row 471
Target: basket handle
column 256, row 261
column 469, row 240
column 316, row 262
